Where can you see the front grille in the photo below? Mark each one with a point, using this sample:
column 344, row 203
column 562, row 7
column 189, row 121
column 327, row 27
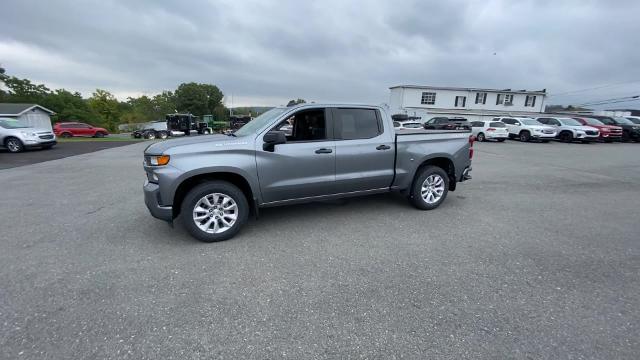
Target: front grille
column 46, row 137
column 591, row 132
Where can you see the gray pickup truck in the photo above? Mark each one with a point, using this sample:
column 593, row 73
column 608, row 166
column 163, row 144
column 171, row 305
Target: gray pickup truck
column 299, row 154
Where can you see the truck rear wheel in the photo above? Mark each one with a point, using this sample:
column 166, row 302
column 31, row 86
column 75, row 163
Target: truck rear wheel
column 214, row 211
column 430, row 188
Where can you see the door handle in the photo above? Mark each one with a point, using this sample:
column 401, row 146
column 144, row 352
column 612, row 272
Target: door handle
column 324, row 151
column 383, row 147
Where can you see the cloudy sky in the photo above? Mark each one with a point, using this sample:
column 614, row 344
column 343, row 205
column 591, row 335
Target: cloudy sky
column 266, row 52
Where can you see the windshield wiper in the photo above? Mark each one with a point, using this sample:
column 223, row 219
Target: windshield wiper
column 232, row 134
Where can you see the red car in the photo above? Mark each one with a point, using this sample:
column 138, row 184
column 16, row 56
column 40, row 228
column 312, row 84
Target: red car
column 70, row 129
column 608, row 133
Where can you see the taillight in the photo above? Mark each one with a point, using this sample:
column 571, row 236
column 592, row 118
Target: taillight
column 471, row 140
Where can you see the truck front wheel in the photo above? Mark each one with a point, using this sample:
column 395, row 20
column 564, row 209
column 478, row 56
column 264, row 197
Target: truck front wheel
column 214, row 211
column 430, row 188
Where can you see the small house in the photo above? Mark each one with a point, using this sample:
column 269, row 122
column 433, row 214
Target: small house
column 32, row 114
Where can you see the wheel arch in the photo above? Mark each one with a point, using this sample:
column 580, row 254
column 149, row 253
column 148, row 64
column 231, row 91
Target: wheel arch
column 234, row 178
column 443, row 162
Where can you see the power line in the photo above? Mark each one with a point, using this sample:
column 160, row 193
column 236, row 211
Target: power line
column 611, row 101
column 594, row 88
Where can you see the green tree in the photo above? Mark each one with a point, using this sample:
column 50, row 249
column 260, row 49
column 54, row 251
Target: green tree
column 198, row 99
column 23, row 90
column 69, row 107
column 107, row 107
column 296, row 102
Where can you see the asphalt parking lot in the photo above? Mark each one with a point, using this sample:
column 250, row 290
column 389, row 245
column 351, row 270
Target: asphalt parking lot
column 538, row 257
column 59, row 151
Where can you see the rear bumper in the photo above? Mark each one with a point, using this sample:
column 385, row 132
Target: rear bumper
column 151, row 199
column 466, row 174
column 489, row 135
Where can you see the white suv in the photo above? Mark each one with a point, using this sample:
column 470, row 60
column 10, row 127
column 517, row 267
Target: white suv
column 489, row 130
column 17, row 136
column 571, row 129
column 527, row 129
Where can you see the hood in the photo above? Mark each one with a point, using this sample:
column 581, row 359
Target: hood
column 543, row 127
column 583, row 128
column 162, row 146
column 33, row 129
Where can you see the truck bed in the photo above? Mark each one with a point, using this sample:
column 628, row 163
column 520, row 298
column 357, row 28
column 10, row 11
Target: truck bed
column 414, row 146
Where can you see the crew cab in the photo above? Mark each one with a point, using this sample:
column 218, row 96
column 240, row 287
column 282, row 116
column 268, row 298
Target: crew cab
column 608, row 133
column 332, row 151
column 630, row 130
column 570, row 129
column 527, row 129
column 70, row 129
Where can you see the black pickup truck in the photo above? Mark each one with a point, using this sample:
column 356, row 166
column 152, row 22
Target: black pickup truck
column 447, row 123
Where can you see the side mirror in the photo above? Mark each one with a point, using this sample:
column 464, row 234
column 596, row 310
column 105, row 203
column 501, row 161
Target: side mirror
column 273, row 138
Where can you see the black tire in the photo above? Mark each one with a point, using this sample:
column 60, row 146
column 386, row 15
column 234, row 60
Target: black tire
column 481, row 137
column 566, row 136
column 200, row 191
column 150, row 135
column 14, row 145
column 625, row 136
column 415, row 196
column 163, row 135
column 501, row 140
column 524, row 136
column 66, row 135
column 99, row 134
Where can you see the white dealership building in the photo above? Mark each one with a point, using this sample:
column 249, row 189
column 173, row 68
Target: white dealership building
column 471, row 103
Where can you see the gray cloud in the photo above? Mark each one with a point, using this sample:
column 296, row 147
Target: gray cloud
column 324, row 50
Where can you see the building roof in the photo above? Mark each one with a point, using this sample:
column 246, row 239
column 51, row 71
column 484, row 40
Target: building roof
column 542, row 92
column 7, row 109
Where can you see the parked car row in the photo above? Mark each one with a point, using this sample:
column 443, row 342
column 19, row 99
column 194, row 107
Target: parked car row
column 583, row 129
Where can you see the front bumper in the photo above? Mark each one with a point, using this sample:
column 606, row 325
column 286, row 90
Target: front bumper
column 152, row 200
column 28, row 144
column 538, row 135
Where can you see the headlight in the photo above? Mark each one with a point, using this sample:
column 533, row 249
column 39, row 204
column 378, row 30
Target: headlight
column 28, row 134
column 157, row 160
column 537, row 130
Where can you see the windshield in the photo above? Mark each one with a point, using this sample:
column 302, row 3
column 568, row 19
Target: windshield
column 252, row 126
column 622, row 120
column 591, row 121
column 569, row 122
column 530, row 122
column 12, row 124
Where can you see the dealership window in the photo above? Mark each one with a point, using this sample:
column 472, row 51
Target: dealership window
column 500, row 99
column 461, row 101
column 530, row 101
column 428, row 98
column 481, row 98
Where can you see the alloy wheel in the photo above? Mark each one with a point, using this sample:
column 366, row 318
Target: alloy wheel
column 432, row 189
column 215, row 213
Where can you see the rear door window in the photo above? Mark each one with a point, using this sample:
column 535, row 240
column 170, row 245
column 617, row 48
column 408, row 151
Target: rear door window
column 351, row 124
column 497, row 124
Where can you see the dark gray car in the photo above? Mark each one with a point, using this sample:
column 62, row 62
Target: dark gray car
column 328, row 151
